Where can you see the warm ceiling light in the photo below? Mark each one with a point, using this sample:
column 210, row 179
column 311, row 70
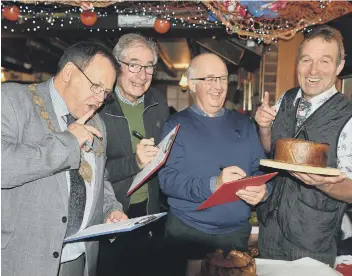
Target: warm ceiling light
column 27, row 65
column 3, row 78
column 183, row 82
column 180, row 66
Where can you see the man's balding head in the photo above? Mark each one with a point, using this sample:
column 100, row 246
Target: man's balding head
column 208, row 79
column 204, row 62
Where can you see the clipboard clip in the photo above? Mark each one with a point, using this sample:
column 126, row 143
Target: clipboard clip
column 145, row 220
column 169, row 143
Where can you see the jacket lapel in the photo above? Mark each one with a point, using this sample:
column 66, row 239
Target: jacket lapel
column 149, row 101
column 99, row 164
column 44, row 93
column 114, row 110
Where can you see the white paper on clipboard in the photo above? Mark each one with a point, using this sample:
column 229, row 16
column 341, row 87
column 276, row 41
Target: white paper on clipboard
column 113, row 228
column 159, row 160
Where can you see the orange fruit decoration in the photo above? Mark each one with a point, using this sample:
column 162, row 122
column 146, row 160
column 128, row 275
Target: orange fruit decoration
column 11, row 13
column 88, row 18
column 162, row 26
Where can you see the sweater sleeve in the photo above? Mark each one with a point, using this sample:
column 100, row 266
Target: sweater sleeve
column 174, row 182
column 257, row 150
column 257, row 154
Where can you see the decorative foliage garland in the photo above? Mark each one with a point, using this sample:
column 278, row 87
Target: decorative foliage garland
column 98, row 4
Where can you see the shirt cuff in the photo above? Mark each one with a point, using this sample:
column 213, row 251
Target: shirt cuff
column 213, row 184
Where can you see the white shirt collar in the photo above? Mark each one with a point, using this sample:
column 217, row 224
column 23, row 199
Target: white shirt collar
column 59, row 104
column 319, row 99
column 124, row 100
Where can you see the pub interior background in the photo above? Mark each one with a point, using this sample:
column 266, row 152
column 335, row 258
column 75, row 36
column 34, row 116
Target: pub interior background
column 257, row 43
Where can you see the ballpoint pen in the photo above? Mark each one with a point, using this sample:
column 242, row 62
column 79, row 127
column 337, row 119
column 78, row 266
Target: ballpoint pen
column 139, row 136
column 89, row 145
column 136, row 134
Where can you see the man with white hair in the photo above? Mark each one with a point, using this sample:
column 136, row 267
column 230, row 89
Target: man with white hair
column 134, row 106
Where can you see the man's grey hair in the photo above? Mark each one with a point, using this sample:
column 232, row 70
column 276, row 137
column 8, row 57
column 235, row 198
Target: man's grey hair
column 190, row 72
column 129, row 40
column 189, row 75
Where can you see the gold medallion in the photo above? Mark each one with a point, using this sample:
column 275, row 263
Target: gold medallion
column 86, row 171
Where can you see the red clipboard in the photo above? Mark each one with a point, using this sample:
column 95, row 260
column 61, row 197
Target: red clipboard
column 150, row 169
column 344, row 269
column 227, row 192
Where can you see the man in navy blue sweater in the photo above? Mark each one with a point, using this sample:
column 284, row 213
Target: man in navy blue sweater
column 210, row 137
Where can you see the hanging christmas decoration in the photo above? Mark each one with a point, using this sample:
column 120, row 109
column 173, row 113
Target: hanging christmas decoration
column 268, row 21
column 231, row 8
column 162, row 26
column 88, row 17
column 77, row 3
column 212, row 17
column 264, row 21
column 11, row 13
column 263, row 8
column 240, row 10
column 85, row 5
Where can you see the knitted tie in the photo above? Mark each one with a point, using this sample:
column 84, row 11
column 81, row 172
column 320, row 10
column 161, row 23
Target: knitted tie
column 77, row 200
column 303, row 110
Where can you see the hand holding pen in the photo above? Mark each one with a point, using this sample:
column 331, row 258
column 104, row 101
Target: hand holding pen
column 145, row 149
column 229, row 174
column 139, row 136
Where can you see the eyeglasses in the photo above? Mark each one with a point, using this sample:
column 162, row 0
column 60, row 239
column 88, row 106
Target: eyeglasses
column 212, row 80
column 96, row 88
column 136, row 68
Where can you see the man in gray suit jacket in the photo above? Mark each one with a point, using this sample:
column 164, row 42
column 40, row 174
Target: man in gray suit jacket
column 53, row 161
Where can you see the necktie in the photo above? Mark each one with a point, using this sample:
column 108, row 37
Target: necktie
column 77, row 201
column 303, row 110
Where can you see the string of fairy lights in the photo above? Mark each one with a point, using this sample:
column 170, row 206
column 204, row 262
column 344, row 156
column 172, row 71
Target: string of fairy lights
column 55, row 16
column 228, row 14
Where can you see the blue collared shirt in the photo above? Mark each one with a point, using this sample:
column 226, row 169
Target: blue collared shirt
column 199, row 111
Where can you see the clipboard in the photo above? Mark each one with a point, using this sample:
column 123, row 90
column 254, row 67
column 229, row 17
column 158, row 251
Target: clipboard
column 227, row 192
column 158, row 161
column 113, row 228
